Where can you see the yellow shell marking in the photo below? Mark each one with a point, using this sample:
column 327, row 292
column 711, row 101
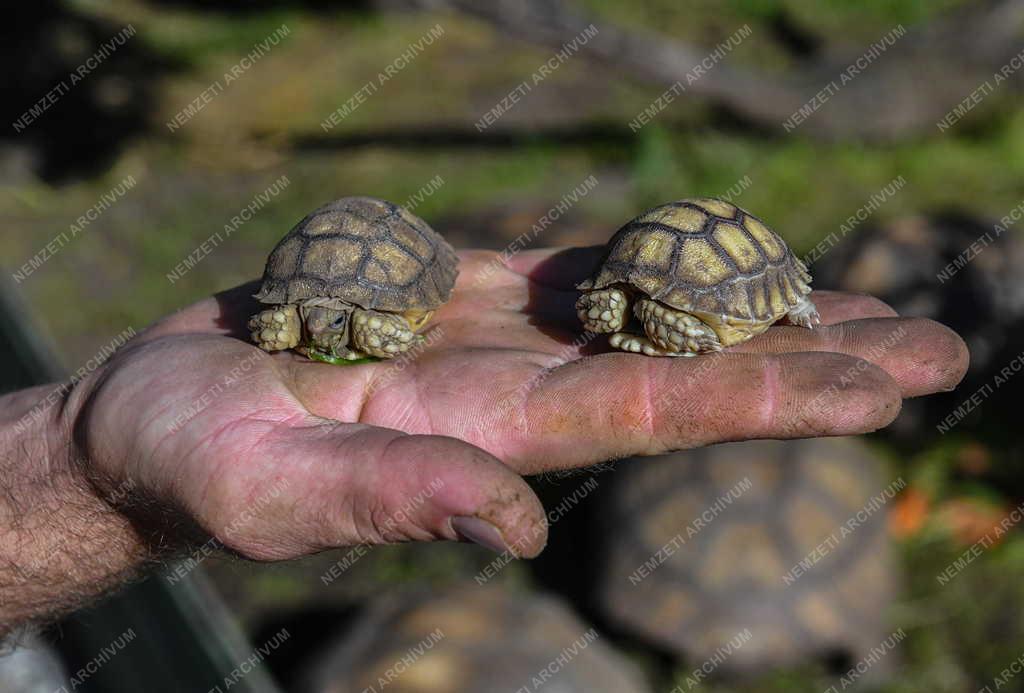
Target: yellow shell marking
column 792, row 295
column 806, row 519
column 665, row 519
column 655, row 249
column 414, row 242
column 648, row 246
column 289, row 256
column 719, row 208
column 359, row 227
column 674, row 606
column 682, row 218
column 699, row 263
column 845, row 484
column 772, row 247
column 739, row 247
column 819, row 615
column 857, row 574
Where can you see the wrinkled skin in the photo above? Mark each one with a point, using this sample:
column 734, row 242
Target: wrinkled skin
column 496, row 390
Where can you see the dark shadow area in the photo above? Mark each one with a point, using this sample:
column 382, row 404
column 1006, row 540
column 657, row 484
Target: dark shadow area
column 455, row 137
column 565, row 269
column 794, row 38
column 552, row 297
column 574, row 544
column 76, row 90
column 234, row 7
column 312, row 633
column 237, row 305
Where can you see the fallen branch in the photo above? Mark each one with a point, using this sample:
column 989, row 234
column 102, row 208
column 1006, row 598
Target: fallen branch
column 906, row 90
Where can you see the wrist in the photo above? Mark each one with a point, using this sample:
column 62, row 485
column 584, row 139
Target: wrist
column 62, row 539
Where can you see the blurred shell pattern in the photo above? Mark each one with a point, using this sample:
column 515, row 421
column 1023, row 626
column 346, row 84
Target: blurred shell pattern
column 954, row 268
column 690, row 585
column 958, row 269
column 476, row 640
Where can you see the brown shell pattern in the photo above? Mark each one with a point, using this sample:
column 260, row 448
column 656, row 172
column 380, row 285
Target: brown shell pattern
column 366, row 251
column 467, row 632
column 736, row 563
column 706, row 256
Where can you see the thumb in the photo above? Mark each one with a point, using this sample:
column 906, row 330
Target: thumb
column 350, row 484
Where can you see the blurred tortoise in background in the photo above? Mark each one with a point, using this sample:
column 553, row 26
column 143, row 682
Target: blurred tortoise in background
column 745, row 543
column 963, row 271
column 958, row 269
column 358, row 277
column 473, row 640
column 699, row 275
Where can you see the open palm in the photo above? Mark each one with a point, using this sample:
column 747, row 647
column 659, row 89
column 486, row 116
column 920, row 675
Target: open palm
column 278, row 456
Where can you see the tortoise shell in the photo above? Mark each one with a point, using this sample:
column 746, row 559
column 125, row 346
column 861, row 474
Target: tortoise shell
column 468, row 640
column 702, row 545
column 707, row 257
column 365, row 251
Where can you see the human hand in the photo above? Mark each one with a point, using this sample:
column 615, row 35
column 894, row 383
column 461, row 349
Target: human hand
column 505, row 385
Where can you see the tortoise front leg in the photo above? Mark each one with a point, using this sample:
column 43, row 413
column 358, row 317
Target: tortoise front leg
column 602, row 311
column 276, row 328
column 383, row 335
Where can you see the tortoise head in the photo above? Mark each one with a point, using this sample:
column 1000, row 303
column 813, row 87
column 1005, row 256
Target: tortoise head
column 327, row 325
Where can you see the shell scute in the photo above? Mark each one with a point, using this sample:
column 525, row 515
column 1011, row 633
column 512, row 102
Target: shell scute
column 329, row 258
column 739, row 247
column 687, row 218
column 773, row 246
column 701, row 264
column 720, row 208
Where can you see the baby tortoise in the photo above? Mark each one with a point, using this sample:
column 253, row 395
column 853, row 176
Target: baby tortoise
column 699, row 275
column 358, row 277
